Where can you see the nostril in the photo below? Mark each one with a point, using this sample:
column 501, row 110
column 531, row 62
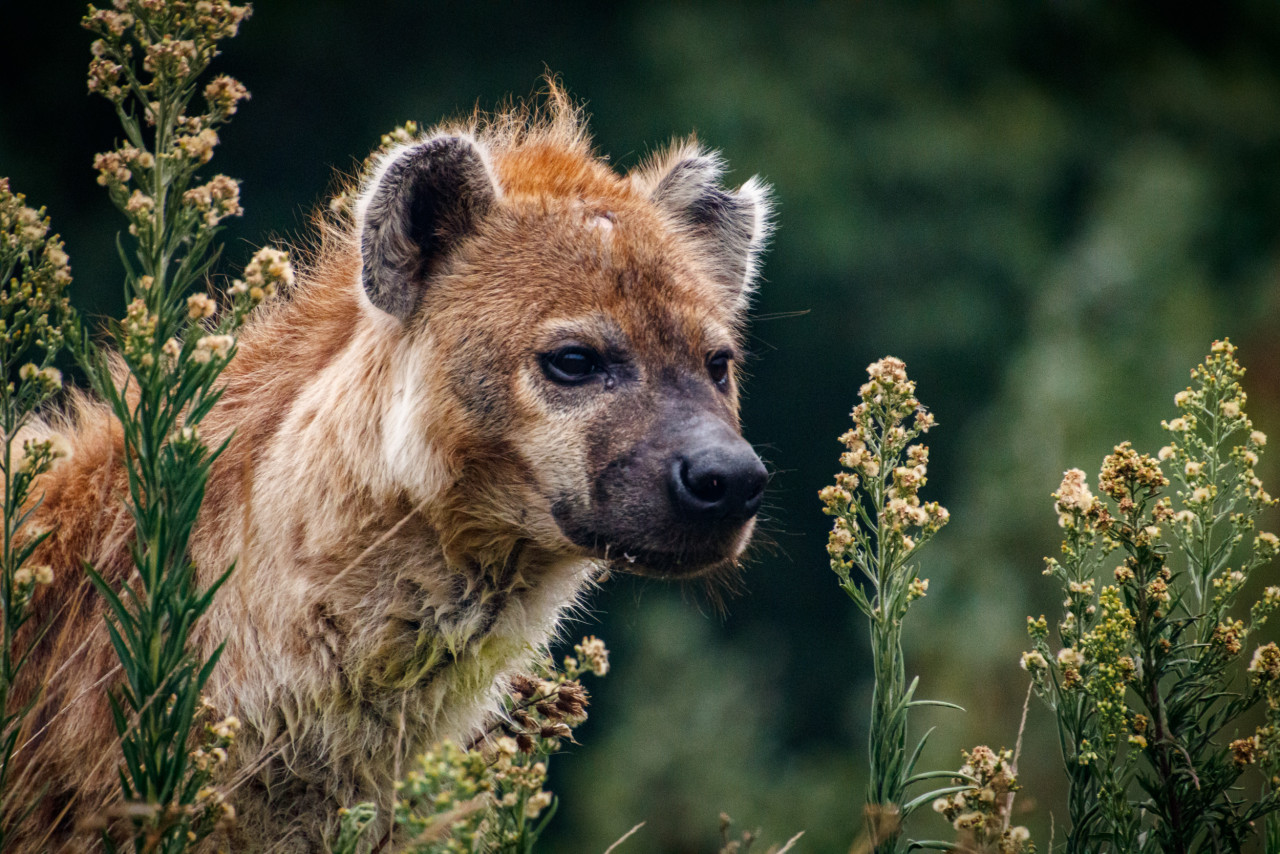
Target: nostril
column 707, row 485
column 718, row 483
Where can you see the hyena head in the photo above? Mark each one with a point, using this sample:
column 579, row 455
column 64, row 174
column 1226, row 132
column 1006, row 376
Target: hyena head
column 571, row 341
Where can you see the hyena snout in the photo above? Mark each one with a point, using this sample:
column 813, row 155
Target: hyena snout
column 717, row 480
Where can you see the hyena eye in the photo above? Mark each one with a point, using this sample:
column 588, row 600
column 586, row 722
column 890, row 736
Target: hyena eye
column 572, row 365
column 718, row 369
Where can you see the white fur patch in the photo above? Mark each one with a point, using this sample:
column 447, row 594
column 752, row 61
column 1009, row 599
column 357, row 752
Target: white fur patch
column 406, row 447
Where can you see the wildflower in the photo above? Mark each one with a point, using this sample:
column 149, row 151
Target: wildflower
column 139, row 204
column 888, row 368
column 112, row 168
column 200, row 306
column 1125, row 472
column 1244, row 751
column 1165, row 453
column 1182, row 398
column 1193, row 468
column 1258, row 438
column 198, row 147
column 210, row 347
column 1071, row 678
column 834, row 497
column 226, row 728
column 1081, row 588
column 1073, row 494
column 23, row 577
column 223, row 94
column 42, row 574
column 1231, row 408
column 104, row 77
column 534, row 806
column 1033, row 662
column 1265, row 666
column 917, row 589
column 840, row 539
column 1228, row 635
column 1138, row 741
column 267, row 270
column 1177, row 425
column 593, row 651
column 1267, row 544
column 169, row 57
column 1158, row 589
column 1070, row 657
column 216, row 200
column 908, row 479
column 109, row 21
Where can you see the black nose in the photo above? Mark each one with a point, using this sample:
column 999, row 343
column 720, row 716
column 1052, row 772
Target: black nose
column 718, row 482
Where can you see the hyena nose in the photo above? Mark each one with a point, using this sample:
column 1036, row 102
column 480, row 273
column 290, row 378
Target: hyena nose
column 718, row 482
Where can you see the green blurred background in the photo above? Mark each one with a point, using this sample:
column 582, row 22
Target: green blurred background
column 1048, row 209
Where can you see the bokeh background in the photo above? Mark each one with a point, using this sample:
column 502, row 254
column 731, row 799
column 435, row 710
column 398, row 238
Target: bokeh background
column 1048, row 209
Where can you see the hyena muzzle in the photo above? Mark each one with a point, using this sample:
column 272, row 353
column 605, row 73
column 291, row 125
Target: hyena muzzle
column 510, row 368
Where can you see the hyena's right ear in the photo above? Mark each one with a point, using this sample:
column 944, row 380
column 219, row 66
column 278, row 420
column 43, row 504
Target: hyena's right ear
column 422, row 201
column 731, row 226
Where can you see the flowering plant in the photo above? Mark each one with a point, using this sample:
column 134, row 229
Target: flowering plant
column 1147, row 685
column 880, row 525
column 147, row 61
column 34, row 319
column 490, row 797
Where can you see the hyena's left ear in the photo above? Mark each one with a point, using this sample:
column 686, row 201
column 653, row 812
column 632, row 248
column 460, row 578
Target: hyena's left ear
column 732, row 226
column 423, row 200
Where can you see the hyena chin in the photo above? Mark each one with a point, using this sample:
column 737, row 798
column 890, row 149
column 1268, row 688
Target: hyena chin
column 511, row 368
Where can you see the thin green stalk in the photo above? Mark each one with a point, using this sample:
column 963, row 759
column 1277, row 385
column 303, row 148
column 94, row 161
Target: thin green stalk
column 879, row 524
column 171, row 351
column 35, row 319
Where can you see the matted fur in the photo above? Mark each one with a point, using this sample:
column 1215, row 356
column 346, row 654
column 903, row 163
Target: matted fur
column 394, row 490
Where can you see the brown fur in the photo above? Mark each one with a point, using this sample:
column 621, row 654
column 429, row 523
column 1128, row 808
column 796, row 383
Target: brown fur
column 411, row 505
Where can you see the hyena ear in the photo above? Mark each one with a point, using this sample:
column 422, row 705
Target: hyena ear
column 422, row 201
column 732, row 225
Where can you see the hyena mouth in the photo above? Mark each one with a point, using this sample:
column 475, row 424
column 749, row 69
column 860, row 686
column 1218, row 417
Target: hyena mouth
column 696, row 515
column 679, row 557
column 675, row 564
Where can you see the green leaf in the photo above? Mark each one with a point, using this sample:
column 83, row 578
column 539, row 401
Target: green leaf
column 941, row 704
column 928, row 797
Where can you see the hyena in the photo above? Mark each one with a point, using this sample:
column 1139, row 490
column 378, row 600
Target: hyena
column 509, row 370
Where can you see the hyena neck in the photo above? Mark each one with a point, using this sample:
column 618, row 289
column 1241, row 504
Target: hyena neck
column 407, row 637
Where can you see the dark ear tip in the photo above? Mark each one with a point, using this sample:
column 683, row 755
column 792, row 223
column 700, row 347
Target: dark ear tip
column 444, row 153
column 445, row 149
